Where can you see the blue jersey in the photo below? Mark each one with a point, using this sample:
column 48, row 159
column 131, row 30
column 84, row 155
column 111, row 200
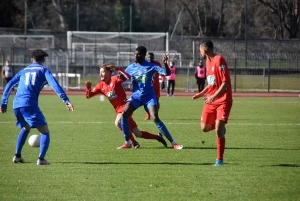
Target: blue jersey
column 31, row 81
column 142, row 75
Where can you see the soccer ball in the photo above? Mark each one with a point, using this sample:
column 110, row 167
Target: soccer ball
column 34, row 140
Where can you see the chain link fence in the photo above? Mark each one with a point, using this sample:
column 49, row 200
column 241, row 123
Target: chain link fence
column 267, row 65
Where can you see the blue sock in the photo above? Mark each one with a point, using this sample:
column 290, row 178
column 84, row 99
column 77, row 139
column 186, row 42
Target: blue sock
column 21, row 141
column 44, row 144
column 125, row 128
column 163, row 129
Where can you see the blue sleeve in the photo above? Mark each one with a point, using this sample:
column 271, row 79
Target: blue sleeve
column 160, row 70
column 55, row 86
column 14, row 81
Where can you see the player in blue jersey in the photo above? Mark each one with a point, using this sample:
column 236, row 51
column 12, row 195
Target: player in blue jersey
column 142, row 73
column 31, row 81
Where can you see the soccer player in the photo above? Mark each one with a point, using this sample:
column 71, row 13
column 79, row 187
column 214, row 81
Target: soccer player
column 111, row 87
column 141, row 73
column 31, row 80
column 155, row 82
column 218, row 101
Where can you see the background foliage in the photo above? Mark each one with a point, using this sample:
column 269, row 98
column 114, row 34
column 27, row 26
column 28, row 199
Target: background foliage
column 204, row 18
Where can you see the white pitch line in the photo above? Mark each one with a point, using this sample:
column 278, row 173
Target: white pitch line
column 169, row 123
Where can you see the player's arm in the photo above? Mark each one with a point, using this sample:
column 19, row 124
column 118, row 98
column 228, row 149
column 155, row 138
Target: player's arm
column 220, row 91
column 3, row 72
column 9, row 86
column 58, row 89
column 123, row 75
column 200, row 94
column 165, row 61
column 89, row 92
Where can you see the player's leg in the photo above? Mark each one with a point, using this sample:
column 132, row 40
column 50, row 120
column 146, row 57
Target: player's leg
column 202, row 84
column 147, row 114
column 223, row 112
column 44, row 144
column 173, row 87
column 153, row 109
column 128, row 110
column 35, row 118
column 22, row 136
column 118, row 125
column 149, row 136
column 220, row 141
column 199, row 86
column 208, row 118
column 168, row 87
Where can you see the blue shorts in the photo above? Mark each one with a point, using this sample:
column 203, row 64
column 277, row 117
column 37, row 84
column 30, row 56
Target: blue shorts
column 147, row 100
column 32, row 116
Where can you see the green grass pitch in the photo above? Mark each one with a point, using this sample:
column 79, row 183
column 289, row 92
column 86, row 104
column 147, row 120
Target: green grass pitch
column 262, row 158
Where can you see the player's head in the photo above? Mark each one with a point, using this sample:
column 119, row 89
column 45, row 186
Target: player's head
column 171, row 63
column 151, row 57
column 38, row 55
column 140, row 54
column 206, row 48
column 7, row 62
column 105, row 73
column 200, row 63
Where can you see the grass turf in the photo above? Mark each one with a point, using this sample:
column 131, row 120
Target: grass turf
column 261, row 159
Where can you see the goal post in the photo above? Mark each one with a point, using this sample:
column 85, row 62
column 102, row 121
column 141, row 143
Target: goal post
column 158, row 41
column 28, row 41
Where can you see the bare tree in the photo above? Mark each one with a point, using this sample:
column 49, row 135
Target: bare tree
column 58, row 7
column 288, row 13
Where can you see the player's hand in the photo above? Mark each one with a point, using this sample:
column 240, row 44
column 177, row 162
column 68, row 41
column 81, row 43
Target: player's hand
column 88, row 84
column 209, row 99
column 198, row 95
column 111, row 67
column 165, row 58
column 70, row 107
column 3, row 109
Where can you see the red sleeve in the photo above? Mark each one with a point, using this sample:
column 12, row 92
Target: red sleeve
column 223, row 70
column 89, row 92
column 157, row 63
column 123, row 75
column 162, row 78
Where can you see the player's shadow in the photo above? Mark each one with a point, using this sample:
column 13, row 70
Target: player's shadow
column 286, row 165
column 243, row 148
column 138, row 163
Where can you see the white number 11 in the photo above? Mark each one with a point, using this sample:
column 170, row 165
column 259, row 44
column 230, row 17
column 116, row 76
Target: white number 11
column 33, row 75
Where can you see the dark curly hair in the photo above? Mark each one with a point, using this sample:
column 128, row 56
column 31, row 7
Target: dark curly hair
column 105, row 66
column 38, row 55
column 142, row 50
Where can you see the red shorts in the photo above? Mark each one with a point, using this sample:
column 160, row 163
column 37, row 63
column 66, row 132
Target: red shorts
column 211, row 113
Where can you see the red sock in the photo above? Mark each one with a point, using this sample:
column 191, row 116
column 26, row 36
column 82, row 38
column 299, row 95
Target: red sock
column 147, row 135
column 220, row 148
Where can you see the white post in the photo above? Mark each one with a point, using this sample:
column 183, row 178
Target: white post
column 67, row 70
column 167, row 42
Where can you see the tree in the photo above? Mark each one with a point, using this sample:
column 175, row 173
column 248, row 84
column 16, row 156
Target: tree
column 287, row 13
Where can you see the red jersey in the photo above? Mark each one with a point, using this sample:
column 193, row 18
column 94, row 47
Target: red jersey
column 155, row 81
column 112, row 90
column 217, row 72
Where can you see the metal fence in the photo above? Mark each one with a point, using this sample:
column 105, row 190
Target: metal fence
column 258, row 70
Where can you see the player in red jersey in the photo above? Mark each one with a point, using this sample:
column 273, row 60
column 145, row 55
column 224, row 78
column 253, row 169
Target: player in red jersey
column 218, row 101
column 111, row 87
column 155, row 82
